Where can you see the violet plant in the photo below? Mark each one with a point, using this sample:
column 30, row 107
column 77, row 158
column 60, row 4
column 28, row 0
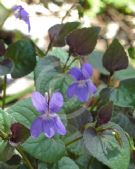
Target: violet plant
column 69, row 121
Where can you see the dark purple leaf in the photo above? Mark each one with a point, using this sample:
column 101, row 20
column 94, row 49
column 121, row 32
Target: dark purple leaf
column 115, row 57
column 83, row 41
column 104, row 114
column 58, row 32
column 19, row 133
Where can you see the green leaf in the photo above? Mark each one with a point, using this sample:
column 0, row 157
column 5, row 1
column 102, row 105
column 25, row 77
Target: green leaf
column 127, row 73
column 60, row 82
column 47, row 76
column 44, row 149
column 5, row 121
column 115, row 57
column 6, row 150
column 83, row 161
column 45, row 71
column 59, row 53
column 23, row 112
column 125, row 118
column 131, row 52
column 23, row 55
column 124, row 95
column 66, row 163
column 105, row 147
column 58, row 32
column 42, row 166
column 82, row 41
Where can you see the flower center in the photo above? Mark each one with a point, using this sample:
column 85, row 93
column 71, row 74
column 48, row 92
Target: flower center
column 47, row 115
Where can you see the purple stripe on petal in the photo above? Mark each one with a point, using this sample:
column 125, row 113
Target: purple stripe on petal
column 39, row 102
column 87, row 70
column 56, row 102
column 82, row 92
column 59, row 126
column 36, row 127
column 76, row 73
column 71, row 90
column 49, row 128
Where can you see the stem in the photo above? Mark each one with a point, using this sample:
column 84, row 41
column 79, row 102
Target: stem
column 25, row 159
column 72, row 62
column 4, row 91
column 3, row 135
column 73, row 141
column 49, row 47
column 68, row 12
column 66, row 61
column 90, row 162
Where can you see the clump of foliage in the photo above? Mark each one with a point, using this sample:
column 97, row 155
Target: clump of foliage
column 69, row 121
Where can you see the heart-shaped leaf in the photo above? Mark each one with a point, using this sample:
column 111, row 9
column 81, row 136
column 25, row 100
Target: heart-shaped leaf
column 112, row 150
column 58, row 32
column 19, row 133
column 104, row 114
column 83, row 41
column 23, row 112
column 44, row 149
column 23, row 55
column 115, row 57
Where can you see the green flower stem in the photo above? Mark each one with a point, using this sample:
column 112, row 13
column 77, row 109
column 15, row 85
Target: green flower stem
column 72, row 62
column 4, row 91
column 25, row 159
column 3, row 135
column 64, row 67
column 49, row 47
column 90, row 162
column 68, row 12
column 73, row 141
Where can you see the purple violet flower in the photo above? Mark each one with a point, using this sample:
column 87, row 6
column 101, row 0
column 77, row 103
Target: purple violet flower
column 22, row 14
column 48, row 122
column 83, row 87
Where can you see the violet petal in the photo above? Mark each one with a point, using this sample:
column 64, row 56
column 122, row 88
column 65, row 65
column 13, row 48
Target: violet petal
column 71, row 90
column 87, row 70
column 49, row 128
column 56, row 102
column 59, row 126
column 36, row 127
column 76, row 73
column 82, row 92
column 92, row 88
column 39, row 102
